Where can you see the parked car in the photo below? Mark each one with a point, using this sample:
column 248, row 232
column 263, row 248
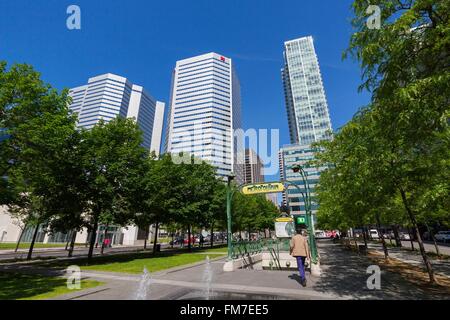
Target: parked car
column 176, row 241
column 404, row 236
column 374, row 234
column 321, row 234
column 443, row 236
column 193, row 240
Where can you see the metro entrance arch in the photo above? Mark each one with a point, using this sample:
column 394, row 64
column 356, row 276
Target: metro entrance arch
column 276, row 187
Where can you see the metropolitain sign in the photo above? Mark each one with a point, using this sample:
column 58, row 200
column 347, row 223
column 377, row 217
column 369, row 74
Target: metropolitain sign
column 259, row 188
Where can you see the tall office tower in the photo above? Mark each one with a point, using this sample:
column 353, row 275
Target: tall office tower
column 306, row 104
column 253, row 168
column 308, row 119
column 205, row 111
column 109, row 96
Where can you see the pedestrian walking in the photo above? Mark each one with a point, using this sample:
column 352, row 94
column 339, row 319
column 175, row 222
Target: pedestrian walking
column 300, row 250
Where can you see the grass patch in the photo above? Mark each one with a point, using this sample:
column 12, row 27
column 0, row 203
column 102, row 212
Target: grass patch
column 136, row 262
column 153, row 264
column 16, row 286
column 12, row 246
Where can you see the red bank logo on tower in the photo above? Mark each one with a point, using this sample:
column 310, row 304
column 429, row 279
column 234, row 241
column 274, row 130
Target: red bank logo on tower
column 223, row 59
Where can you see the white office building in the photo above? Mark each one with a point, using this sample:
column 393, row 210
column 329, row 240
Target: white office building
column 104, row 97
column 109, row 96
column 205, row 111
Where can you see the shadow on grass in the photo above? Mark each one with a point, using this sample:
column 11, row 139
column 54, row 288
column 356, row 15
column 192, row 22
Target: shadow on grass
column 15, row 286
column 119, row 258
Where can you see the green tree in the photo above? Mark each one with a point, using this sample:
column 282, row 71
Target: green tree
column 112, row 157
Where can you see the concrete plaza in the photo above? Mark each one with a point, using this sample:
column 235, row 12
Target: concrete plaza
column 344, row 277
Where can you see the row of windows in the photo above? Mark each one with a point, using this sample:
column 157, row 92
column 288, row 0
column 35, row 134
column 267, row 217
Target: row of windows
column 207, row 80
column 189, row 64
column 211, row 97
column 182, row 69
column 200, row 125
column 208, row 85
column 206, row 95
column 203, row 71
column 210, row 88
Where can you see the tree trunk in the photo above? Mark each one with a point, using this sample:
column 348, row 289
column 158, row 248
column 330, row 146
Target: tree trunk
column 434, row 240
column 68, row 241
column 147, row 232
column 30, row 251
column 92, row 240
column 155, row 241
column 365, row 237
column 386, row 253
column 398, row 241
column 212, row 234
column 104, row 239
column 20, row 238
column 173, row 239
column 410, row 232
column 72, row 243
column 419, row 238
column 356, row 241
column 189, row 238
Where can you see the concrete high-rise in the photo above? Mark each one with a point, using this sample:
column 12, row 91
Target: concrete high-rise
column 205, row 111
column 253, row 168
column 109, row 96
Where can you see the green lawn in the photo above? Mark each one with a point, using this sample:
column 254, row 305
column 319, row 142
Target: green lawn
column 153, row 264
column 12, row 246
column 136, row 262
column 15, row 286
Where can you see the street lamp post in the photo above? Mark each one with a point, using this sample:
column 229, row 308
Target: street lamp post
column 307, row 200
column 229, row 196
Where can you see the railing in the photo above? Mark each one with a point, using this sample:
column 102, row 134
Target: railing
column 241, row 249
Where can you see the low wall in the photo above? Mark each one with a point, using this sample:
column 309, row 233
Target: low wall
column 240, row 263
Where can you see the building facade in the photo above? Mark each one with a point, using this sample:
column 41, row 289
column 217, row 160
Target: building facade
column 205, row 111
column 306, row 103
column 106, row 97
column 253, row 168
column 109, row 96
column 308, row 119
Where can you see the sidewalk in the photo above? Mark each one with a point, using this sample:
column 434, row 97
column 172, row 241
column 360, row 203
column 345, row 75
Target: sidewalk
column 414, row 258
column 344, row 277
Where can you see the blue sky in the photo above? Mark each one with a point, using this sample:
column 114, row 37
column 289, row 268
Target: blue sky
column 142, row 39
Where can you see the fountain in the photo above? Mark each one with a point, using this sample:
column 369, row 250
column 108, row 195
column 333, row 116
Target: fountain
column 207, row 279
column 144, row 286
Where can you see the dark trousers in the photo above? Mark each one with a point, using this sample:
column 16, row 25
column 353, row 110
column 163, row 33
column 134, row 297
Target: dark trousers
column 301, row 266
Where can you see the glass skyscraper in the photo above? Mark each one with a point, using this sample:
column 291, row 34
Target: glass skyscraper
column 308, row 119
column 306, row 104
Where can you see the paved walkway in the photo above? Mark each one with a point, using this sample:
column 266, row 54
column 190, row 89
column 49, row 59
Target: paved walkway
column 415, row 258
column 344, row 277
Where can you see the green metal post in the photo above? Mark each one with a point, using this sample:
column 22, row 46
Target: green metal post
column 229, row 236
column 307, row 200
